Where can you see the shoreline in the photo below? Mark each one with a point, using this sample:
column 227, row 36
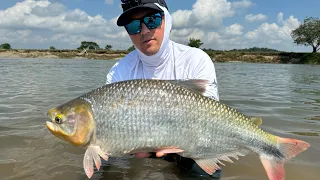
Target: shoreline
column 61, row 54
column 216, row 56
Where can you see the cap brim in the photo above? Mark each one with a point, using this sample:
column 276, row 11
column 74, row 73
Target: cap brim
column 124, row 18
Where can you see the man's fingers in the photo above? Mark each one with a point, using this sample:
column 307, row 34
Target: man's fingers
column 143, row 155
column 146, row 155
column 160, row 154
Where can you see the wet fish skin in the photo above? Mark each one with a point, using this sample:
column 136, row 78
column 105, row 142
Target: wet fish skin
column 170, row 117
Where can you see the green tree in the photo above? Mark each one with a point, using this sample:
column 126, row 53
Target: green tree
column 108, row 47
column 88, row 45
column 131, row 48
column 194, row 42
column 5, row 46
column 52, row 48
column 308, row 33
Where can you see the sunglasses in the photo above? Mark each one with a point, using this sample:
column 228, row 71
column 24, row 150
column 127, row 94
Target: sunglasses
column 152, row 21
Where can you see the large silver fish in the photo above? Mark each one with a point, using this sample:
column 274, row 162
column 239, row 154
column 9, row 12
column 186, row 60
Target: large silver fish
column 168, row 117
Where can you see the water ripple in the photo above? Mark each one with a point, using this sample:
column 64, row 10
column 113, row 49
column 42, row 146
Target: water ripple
column 287, row 97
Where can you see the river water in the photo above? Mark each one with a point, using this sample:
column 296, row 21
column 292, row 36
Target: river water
column 286, row 97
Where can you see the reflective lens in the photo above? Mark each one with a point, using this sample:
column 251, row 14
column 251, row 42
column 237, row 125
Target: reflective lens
column 151, row 21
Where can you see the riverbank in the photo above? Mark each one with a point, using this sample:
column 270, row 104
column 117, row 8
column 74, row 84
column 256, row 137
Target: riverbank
column 265, row 57
column 62, row 54
column 217, row 56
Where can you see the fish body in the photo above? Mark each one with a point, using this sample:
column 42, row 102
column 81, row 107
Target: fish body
column 166, row 116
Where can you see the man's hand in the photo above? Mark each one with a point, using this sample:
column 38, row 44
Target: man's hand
column 146, row 155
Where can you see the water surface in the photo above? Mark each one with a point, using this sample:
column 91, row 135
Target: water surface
column 287, row 97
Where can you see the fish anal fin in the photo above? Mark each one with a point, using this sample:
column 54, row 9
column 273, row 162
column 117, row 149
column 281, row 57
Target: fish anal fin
column 235, row 155
column 226, row 158
column 208, row 165
column 91, row 155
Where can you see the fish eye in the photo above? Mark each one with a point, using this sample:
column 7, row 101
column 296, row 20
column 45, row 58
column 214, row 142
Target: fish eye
column 58, row 120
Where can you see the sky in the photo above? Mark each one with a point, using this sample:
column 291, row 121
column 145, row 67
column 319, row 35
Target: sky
column 219, row 24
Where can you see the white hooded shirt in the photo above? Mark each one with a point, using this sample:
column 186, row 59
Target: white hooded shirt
column 173, row 61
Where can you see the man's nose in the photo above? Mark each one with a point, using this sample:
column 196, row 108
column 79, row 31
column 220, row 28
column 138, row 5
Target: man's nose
column 144, row 29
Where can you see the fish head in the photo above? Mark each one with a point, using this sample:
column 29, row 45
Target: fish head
column 72, row 122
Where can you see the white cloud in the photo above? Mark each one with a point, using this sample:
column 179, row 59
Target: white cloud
column 183, row 35
column 52, row 21
column 181, row 18
column 34, row 23
column 257, row 17
column 48, row 9
column 207, row 13
column 280, row 18
column 271, row 34
column 19, row 35
column 108, row 1
column 234, row 29
column 242, row 4
column 76, row 15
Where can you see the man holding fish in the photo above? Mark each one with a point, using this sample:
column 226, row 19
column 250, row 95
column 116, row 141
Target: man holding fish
column 148, row 24
column 148, row 106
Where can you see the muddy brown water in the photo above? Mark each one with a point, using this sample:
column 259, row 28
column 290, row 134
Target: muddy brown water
column 287, row 97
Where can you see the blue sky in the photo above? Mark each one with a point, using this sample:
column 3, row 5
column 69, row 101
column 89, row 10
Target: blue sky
column 231, row 23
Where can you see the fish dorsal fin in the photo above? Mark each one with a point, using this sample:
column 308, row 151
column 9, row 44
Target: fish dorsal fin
column 256, row 120
column 196, row 85
column 211, row 165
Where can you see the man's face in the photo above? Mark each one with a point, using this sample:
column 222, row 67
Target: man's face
column 148, row 41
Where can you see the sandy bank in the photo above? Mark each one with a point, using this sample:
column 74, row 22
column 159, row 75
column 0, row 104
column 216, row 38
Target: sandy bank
column 56, row 54
column 217, row 56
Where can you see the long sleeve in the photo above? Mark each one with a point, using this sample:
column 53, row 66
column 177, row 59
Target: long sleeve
column 206, row 70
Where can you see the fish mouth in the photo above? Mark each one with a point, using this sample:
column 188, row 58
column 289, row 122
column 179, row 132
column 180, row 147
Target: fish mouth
column 56, row 131
column 51, row 126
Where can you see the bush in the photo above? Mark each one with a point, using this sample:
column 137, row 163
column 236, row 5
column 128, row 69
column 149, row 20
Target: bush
column 5, row 46
column 312, row 58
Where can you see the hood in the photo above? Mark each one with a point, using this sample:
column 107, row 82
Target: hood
column 151, row 62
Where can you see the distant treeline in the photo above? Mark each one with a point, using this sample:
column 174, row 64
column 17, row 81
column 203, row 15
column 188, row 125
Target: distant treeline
column 254, row 55
column 253, row 49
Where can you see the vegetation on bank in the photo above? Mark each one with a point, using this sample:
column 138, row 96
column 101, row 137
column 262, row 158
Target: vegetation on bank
column 216, row 55
column 6, row 46
column 265, row 57
column 307, row 34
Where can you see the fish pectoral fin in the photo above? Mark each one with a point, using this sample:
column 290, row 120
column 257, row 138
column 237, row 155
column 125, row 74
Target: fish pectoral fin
column 93, row 153
column 208, row 165
column 169, row 150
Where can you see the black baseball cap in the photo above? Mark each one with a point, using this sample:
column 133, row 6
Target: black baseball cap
column 131, row 6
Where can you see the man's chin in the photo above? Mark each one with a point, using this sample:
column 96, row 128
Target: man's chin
column 149, row 51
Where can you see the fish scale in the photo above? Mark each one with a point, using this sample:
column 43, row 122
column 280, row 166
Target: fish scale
column 161, row 119
column 166, row 116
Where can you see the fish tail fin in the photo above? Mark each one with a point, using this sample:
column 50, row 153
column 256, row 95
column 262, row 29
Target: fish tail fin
column 292, row 147
column 288, row 148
